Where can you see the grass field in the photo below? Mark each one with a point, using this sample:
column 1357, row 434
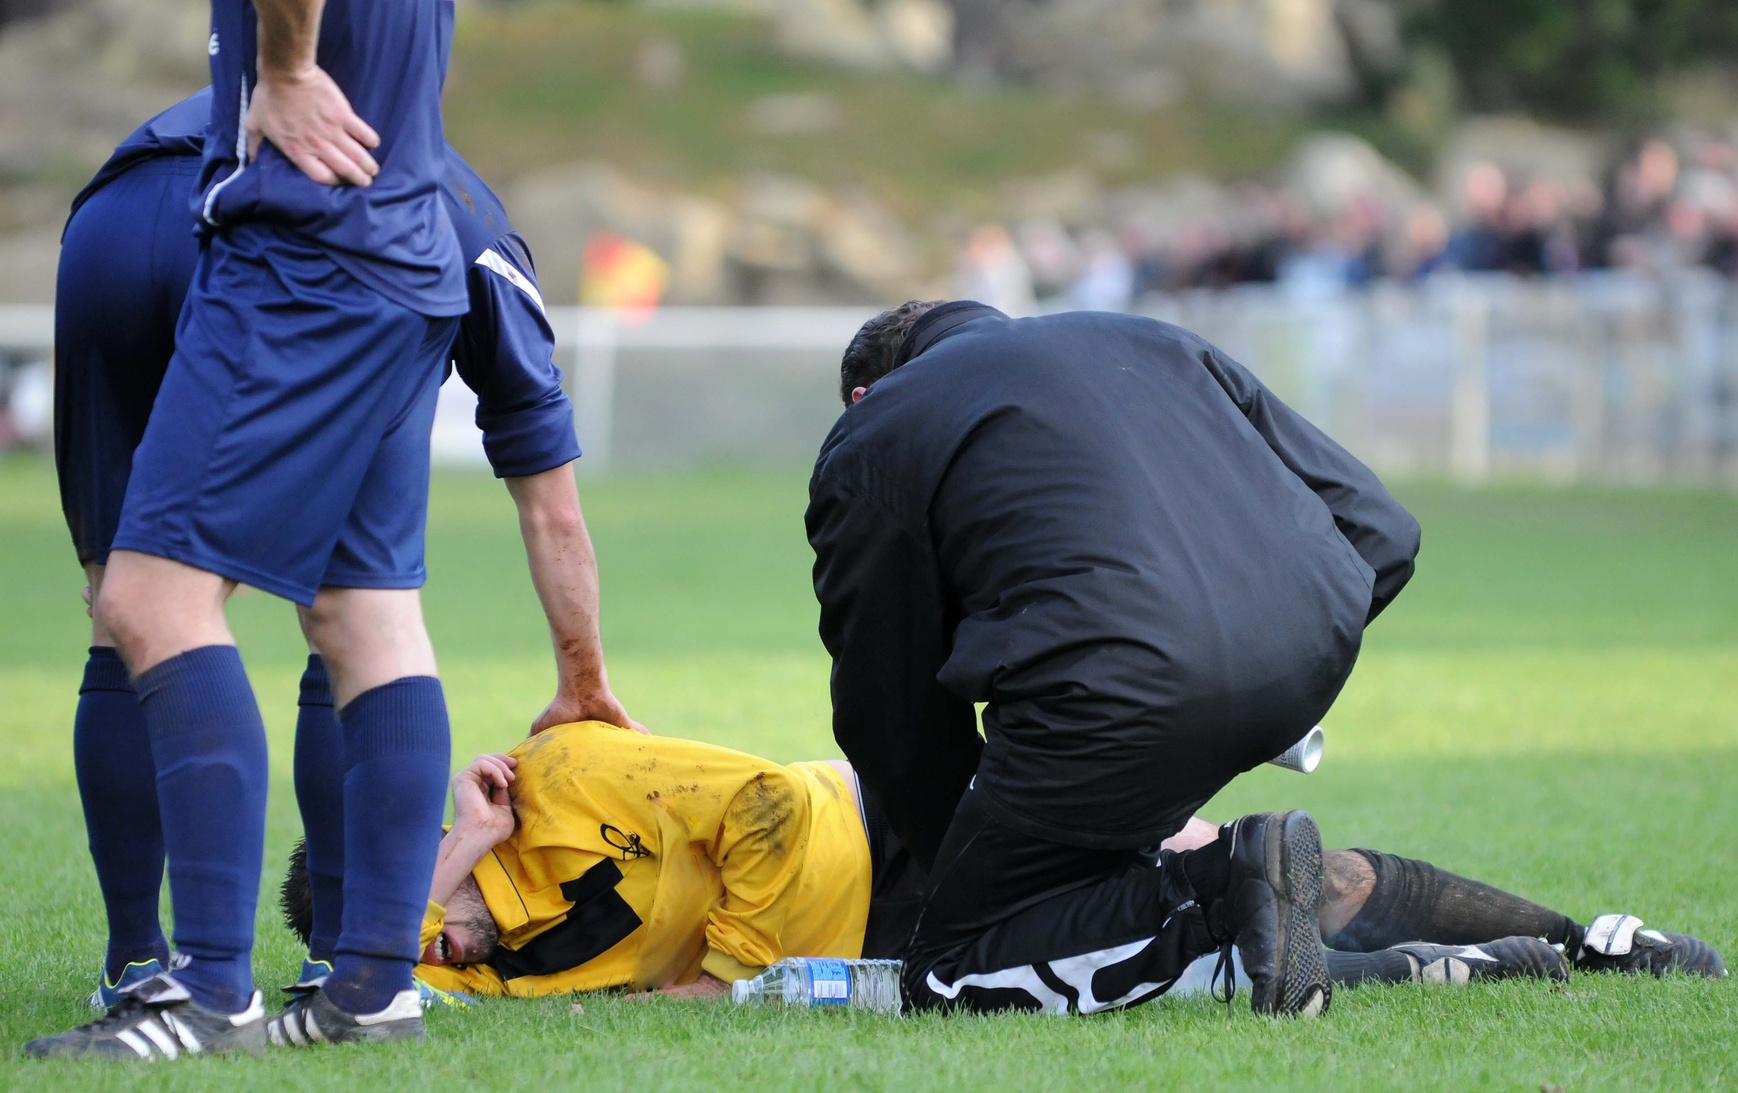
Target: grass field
column 1552, row 706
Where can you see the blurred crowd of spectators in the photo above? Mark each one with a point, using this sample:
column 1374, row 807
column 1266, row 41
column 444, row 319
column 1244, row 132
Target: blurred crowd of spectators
column 1655, row 211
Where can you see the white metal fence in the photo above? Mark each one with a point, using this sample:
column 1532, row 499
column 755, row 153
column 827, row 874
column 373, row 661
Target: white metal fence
column 1601, row 378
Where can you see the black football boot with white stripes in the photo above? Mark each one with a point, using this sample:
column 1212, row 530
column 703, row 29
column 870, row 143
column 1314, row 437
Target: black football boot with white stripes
column 1620, row 943
column 313, row 1018
column 1508, row 958
column 158, row 1019
column 1270, row 911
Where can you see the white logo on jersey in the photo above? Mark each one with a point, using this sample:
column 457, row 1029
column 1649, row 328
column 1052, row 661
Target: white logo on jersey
column 211, row 46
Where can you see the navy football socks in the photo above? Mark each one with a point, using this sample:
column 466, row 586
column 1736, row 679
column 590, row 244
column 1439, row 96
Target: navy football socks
column 210, row 751
column 117, row 784
column 397, row 752
column 320, row 796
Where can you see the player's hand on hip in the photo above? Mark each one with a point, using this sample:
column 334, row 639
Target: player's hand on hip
column 482, row 804
column 600, row 706
column 306, row 116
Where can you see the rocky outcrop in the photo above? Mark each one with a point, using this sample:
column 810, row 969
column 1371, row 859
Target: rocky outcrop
column 776, row 239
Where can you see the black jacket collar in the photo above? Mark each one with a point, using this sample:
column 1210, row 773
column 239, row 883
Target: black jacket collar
column 938, row 323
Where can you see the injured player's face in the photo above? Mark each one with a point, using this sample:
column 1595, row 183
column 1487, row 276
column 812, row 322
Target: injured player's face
column 469, row 934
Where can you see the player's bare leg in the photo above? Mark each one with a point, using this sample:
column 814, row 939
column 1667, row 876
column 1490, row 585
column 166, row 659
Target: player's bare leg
column 390, row 778
column 208, row 749
column 157, row 608
column 369, row 637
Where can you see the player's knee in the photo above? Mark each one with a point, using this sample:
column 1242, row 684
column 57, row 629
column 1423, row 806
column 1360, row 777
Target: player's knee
column 120, row 613
column 154, row 608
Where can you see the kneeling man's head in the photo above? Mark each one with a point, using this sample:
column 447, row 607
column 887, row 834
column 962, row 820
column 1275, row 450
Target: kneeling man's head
column 874, row 352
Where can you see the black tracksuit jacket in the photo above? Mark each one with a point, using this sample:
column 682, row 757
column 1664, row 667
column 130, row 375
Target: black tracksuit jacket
column 1155, row 574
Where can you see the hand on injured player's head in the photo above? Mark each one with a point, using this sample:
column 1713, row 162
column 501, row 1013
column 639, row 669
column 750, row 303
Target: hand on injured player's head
column 482, row 800
column 599, row 704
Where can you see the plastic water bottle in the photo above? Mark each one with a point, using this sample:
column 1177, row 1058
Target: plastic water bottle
column 801, row 982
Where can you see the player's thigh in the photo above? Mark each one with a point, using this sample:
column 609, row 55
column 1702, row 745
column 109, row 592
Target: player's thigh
column 287, row 376
column 125, row 263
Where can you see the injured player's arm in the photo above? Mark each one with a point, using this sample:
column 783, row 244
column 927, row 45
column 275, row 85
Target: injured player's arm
column 482, row 819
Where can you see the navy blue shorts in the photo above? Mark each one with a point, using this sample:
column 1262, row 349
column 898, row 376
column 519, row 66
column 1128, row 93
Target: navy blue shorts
column 288, row 448
column 125, row 263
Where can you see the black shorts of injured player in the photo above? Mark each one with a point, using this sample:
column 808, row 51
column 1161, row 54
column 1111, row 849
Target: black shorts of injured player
column 1385, row 918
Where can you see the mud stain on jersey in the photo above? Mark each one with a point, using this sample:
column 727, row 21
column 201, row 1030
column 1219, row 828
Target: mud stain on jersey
column 767, row 808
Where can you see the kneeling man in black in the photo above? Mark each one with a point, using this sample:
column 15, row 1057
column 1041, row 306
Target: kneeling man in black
column 1155, row 576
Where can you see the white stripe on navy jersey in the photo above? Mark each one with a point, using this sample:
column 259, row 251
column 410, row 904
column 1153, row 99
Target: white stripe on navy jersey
column 491, row 260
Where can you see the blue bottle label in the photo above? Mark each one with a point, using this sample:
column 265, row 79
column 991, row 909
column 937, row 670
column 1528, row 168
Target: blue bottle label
column 829, row 982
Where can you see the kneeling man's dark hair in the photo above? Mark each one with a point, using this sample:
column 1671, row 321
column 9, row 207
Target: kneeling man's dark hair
column 876, row 347
column 296, row 896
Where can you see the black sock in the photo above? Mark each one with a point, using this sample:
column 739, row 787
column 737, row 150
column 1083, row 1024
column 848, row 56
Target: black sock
column 1353, row 969
column 1415, row 901
column 1208, row 869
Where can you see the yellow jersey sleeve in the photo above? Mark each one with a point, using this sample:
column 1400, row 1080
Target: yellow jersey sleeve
column 759, row 851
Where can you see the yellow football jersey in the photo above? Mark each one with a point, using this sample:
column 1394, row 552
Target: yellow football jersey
column 641, row 861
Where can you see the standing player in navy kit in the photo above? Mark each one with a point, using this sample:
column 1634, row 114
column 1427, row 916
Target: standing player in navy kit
column 288, row 449
column 120, row 291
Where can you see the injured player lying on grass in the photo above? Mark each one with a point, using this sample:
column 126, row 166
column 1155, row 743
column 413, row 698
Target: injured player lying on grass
column 591, row 857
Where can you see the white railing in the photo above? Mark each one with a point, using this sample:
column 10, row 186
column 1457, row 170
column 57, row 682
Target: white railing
column 1601, row 378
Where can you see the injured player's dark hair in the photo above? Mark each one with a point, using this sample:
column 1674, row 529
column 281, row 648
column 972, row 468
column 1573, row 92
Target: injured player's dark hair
column 873, row 351
column 296, row 896
column 468, row 921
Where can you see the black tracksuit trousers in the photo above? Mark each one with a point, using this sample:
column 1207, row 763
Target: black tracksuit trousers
column 1010, row 921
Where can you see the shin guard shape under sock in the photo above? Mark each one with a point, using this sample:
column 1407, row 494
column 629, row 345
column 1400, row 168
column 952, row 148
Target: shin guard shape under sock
column 1415, row 901
column 117, row 784
column 397, row 749
column 210, row 751
column 1353, row 969
column 320, row 797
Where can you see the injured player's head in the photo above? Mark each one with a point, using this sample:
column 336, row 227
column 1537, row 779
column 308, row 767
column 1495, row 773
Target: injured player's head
column 469, row 935
column 657, row 863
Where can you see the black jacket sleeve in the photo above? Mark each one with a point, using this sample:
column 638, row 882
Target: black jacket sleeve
column 884, row 619
column 1383, row 533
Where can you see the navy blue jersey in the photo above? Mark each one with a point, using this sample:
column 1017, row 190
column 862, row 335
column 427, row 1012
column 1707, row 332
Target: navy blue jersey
column 389, row 57
column 505, row 347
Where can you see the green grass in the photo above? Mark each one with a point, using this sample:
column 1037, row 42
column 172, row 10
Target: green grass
column 1549, row 707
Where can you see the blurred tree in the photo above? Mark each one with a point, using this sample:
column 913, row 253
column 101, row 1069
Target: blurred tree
column 1580, row 60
